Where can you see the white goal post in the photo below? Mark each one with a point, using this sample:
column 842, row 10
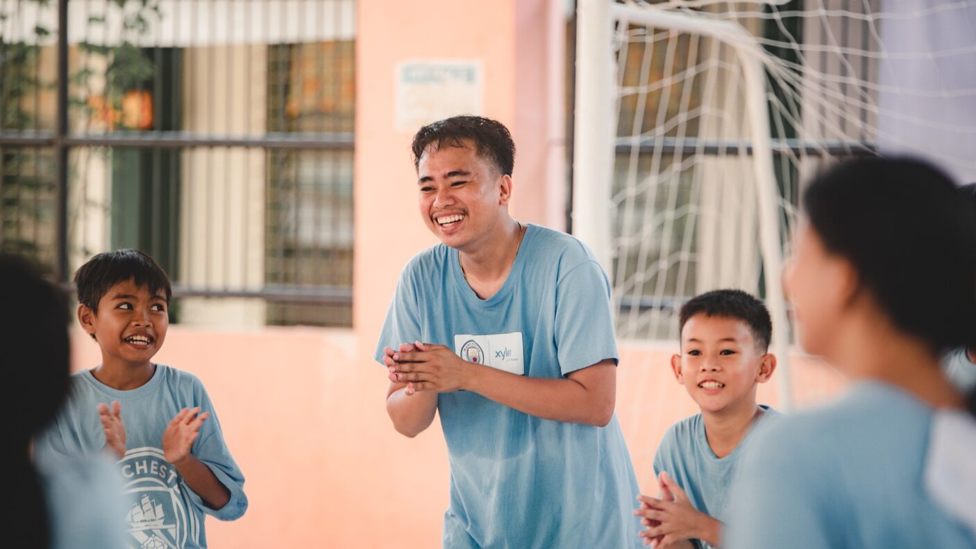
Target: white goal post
column 697, row 123
column 595, row 138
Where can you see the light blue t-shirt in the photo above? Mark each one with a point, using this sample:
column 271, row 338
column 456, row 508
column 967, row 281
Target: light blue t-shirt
column 162, row 509
column 85, row 502
column 848, row 475
column 518, row 481
column 706, row 478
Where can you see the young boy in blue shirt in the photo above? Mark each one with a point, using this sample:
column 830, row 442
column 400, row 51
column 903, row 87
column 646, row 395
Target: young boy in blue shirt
column 725, row 335
column 156, row 420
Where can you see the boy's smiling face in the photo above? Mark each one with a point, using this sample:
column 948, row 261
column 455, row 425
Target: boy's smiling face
column 130, row 324
column 462, row 197
column 720, row 363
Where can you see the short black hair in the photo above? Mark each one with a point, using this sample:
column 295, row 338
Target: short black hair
column 911, row 240
column 969, row 190
column 734, row 304
column 107, row 269
column 34, row 339
column 491, row 139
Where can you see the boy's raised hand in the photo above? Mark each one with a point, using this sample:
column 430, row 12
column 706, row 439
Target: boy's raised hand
column 672, row 520
column 114, row 429
column 181, row 432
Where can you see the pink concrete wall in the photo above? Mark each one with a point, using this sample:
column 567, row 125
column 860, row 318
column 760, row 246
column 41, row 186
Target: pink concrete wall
column 304, row 416
column 540, row 111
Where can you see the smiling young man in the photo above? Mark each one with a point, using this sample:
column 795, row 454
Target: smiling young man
column 506, row 331
column 724, row 339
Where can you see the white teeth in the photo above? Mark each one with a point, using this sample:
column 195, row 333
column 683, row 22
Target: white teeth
column 137, row 339
column 711, row 385
column 448, row 219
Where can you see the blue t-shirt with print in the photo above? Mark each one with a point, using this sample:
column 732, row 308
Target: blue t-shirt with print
column 519, row 481
column 162, row 510
column 706, row 479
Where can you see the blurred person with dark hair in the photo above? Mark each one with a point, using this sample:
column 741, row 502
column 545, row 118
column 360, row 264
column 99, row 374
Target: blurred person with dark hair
column 64, row 503
column 883, row 282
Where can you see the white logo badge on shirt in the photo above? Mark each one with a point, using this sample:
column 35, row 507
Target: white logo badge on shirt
column 500, row 351
column 157, row 516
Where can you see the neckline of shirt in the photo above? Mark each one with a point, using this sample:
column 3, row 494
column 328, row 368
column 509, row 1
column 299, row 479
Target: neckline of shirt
column 138, row 392
column 703, row 436
column 506, row 289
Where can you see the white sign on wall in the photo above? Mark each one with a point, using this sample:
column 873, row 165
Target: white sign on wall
column 430, row 90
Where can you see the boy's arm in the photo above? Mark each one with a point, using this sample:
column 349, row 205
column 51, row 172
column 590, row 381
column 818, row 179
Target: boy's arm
column 203, row 481
column 178, row 441
column 584, row 396
column 410, row 412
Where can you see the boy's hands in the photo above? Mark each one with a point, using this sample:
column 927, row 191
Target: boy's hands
column 181, row 432
column 671, row 519
column 428, row 367
column 391, row 364
column 111, row 418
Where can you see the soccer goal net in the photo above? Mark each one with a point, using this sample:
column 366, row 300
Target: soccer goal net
column 697, row 122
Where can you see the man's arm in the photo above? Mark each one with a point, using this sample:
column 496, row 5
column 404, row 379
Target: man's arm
column 410, row 412
column 584, row 396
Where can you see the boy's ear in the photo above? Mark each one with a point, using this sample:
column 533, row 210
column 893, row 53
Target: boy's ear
column 676, row 367
column 505, row 190
column 848, row 284
column 86, row 317
column 766, row 368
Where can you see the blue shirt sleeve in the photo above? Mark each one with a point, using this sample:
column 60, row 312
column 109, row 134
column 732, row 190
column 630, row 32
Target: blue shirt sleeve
column 403, row 321
column 584, row 321
column 211, row 450
column 781, row 497
column 48, row 445
column 64, row 437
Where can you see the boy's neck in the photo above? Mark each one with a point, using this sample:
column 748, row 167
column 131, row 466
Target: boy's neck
column 725, row 430
column 493, row 259
column 870, row 348
column 124, row 377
